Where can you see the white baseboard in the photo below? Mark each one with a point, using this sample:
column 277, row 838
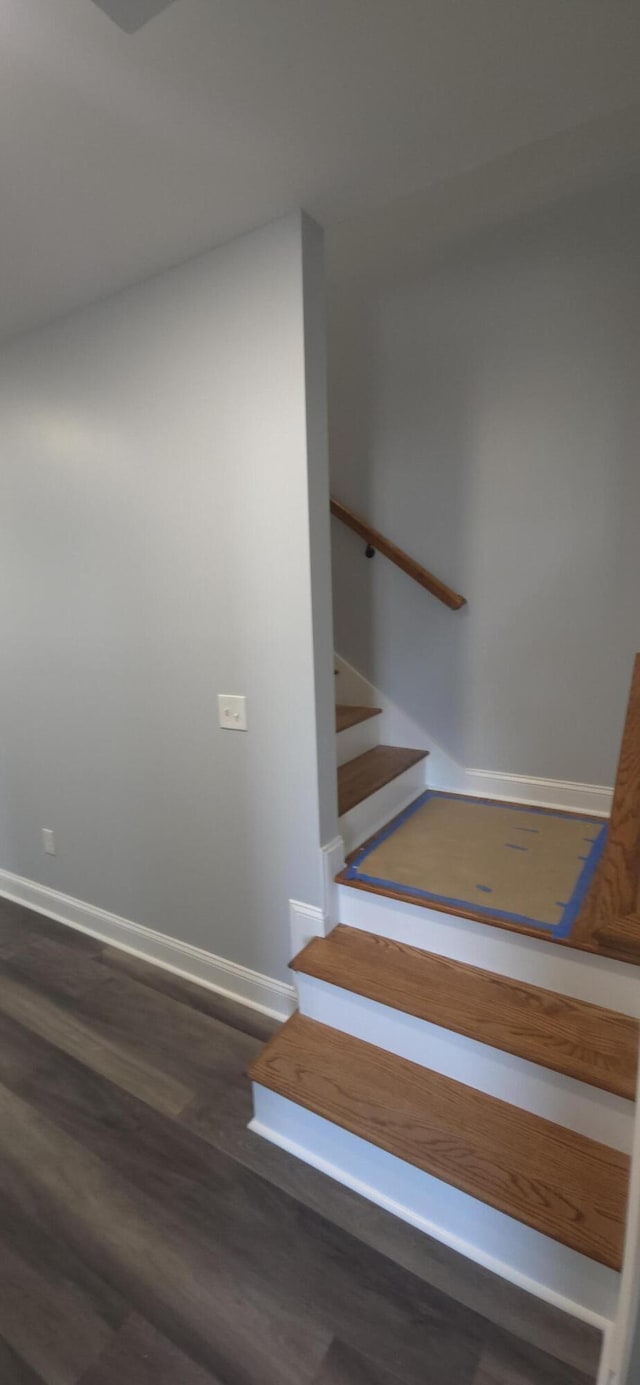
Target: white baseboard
column 543, row 793
column 306, row 921
column 240, row 983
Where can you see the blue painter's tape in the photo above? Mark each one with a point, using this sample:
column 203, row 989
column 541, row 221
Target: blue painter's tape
column 562, row 929
column 411, row 892
column 425, row 797
column 388, row 831
column 583, row 882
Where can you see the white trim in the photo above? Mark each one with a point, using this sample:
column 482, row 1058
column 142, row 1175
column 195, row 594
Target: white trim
column 566, row 1279
column 333, row 856
column 606, row 1375
column 583, row 975
column 379, row 808
column 447, row 774
column 628, row 1319
column 553, row 1096
column 356, row 740
column 306, row 921
column 240, row 983
column 544, row 793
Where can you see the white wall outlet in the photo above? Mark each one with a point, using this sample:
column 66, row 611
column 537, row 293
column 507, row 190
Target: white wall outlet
column 232, row 712
column 48, row 841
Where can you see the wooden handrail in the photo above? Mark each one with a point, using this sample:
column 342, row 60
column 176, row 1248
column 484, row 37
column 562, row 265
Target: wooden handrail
column 396, row 555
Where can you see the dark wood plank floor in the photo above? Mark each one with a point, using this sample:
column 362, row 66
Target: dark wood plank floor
column 147, row 1238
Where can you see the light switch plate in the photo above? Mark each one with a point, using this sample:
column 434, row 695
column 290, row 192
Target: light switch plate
column 232, row 712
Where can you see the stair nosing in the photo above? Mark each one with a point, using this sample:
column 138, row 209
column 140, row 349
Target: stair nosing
column 305, row 963
column 433, row 1150
column 418, row 755
column 367, row 713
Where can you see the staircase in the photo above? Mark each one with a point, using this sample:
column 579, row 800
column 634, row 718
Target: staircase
column 478, row 1079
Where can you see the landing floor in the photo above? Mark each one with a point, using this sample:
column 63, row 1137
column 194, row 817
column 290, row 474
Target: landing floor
column 498, row 862
column 147, row 1238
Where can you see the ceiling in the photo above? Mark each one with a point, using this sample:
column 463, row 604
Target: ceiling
column 122, row 154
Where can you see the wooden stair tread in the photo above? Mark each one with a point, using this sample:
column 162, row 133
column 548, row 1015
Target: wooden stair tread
column 584, row 1041
column 347, row 716
column 359, row 778
column 560, row 1183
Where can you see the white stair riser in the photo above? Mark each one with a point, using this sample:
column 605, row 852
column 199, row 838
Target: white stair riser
column 600, row 980
column 378, row 809
column 356, row 740
column 523, row 1256
column 596, row 1114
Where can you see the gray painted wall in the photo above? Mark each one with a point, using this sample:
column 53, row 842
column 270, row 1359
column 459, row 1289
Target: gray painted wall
column 484, row 413
column 315, row 342
column 155, row 539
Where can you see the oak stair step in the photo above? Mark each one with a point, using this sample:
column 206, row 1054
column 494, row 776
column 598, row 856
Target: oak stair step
column 347, row 716
column 562, row 1184
column 570, row 1036
column 360, row 778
